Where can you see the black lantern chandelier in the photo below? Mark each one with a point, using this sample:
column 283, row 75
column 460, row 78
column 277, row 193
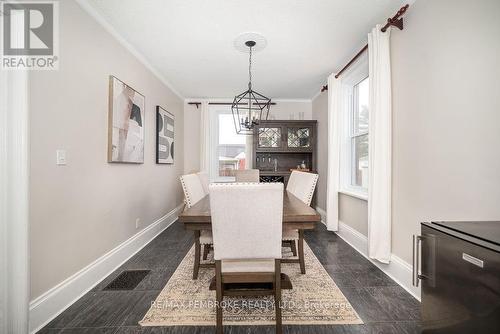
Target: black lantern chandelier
column 249, row 107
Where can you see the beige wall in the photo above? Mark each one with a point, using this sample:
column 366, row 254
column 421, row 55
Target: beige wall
column 282, row 110
column 83, row 210
column 446, row 107
column 354, row 212
column 287, row 109
column 191, row 138
column 320, row 113
column 446, row 119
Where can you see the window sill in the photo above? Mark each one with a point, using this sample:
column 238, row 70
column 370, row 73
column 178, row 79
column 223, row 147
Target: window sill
column 356, row 194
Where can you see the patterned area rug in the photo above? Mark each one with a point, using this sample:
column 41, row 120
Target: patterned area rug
column 314, row 300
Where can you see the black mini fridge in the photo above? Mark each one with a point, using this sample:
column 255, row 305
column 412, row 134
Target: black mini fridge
column 458, row 267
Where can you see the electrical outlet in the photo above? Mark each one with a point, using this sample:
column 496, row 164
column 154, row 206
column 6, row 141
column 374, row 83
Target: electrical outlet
column 61, row 157
column 137, row 222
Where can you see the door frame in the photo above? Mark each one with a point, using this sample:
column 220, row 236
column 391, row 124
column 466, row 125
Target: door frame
column 14, row 201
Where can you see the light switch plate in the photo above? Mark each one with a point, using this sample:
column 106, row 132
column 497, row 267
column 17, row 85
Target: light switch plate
column 61, row 157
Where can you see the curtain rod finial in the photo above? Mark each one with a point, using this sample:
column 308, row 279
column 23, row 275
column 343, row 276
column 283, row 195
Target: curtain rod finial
column 396, row 20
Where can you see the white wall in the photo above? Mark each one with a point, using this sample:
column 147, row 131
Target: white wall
column 446, row 120
column 284, row 109
column 82, row 210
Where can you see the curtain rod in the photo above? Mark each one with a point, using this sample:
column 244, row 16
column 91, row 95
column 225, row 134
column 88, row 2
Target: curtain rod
column 396, row 21
column 197, row 104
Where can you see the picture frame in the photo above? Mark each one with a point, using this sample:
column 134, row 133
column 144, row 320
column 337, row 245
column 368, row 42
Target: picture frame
column 165, row 136
column 126, row 128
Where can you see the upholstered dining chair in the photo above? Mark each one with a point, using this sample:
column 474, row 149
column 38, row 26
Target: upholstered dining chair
column 193, row 193
column 247, row 175
column 301, row 185
column 204, row 179
column 237, row 228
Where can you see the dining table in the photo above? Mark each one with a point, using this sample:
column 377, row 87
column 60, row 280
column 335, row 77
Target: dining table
column 296, row 215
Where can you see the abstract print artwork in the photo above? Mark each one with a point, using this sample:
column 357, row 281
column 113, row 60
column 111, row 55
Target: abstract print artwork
column 126, row 123
column 164, row 136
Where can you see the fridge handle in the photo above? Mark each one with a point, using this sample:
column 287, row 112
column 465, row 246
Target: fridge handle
column 416, row 260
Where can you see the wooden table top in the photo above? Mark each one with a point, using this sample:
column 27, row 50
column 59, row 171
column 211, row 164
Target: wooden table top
column 294, row 211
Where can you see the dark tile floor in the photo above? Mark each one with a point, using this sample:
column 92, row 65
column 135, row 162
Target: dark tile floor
column 383, row 305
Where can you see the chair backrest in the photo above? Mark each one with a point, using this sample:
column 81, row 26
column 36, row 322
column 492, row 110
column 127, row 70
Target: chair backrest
column 247, row 175
column 204, row 181
column 193, row 190
column 302, row 185
column 247, row 220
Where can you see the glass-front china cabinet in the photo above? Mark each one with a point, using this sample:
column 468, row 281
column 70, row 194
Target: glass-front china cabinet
column 281, row 146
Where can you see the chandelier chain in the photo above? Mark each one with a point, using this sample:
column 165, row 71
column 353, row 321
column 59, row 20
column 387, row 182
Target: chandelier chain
column 249, row 107
column 250, row 68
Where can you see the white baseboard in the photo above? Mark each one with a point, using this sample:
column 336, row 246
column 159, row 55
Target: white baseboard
column 398, row 269
column 53, row 302
column 322, row 213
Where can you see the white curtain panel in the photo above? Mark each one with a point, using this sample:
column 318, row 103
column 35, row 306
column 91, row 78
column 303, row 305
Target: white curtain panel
column 334, row 139
column 380, row 148
column 249, row 158
column 205, row 138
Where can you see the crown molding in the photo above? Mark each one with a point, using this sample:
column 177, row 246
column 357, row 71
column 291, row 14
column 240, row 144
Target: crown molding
column 316, row 96
column 87, row 7
column 293, row 100
column 230, row 99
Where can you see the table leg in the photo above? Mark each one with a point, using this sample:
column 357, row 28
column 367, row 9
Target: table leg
column 301, row 252
column 206, row 249
column 294, row 247
column 197, row 250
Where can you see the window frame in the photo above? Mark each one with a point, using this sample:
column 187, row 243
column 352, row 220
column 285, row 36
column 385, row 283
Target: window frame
column 357, row 73
column 214, row 144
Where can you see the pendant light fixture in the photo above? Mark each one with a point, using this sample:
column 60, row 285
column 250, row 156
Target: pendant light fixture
column 249, row 107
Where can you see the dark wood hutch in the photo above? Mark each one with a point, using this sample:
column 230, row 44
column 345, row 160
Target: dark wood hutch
column 282, row 145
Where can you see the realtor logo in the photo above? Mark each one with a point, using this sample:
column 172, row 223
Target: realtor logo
column 30, row 35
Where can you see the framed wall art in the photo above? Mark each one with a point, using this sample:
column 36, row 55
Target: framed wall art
column 164, row 136
column 126, row 123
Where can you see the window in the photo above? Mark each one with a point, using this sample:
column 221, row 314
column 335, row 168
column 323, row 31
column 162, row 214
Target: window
column 354, row 180
column 228, row 148
column 359, row 135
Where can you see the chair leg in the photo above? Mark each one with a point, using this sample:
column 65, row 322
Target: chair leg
column 293, row 247
column 277, row 294
column 218, row 282
column 197, row 251
column 301, row 252
column 206, row 249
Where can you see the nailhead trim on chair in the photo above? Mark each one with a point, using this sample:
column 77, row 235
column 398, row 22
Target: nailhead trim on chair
column 311, row 192
column 187, row 200
column 222, row 184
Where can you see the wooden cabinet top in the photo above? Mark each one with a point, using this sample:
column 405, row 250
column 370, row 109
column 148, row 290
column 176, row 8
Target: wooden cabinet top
column 288, row 121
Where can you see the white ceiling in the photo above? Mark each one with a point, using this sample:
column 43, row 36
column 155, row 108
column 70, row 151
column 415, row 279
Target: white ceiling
column 190, row 42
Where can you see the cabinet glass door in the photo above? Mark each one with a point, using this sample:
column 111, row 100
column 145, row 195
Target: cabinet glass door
column 299, row 137
column 270, row 137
